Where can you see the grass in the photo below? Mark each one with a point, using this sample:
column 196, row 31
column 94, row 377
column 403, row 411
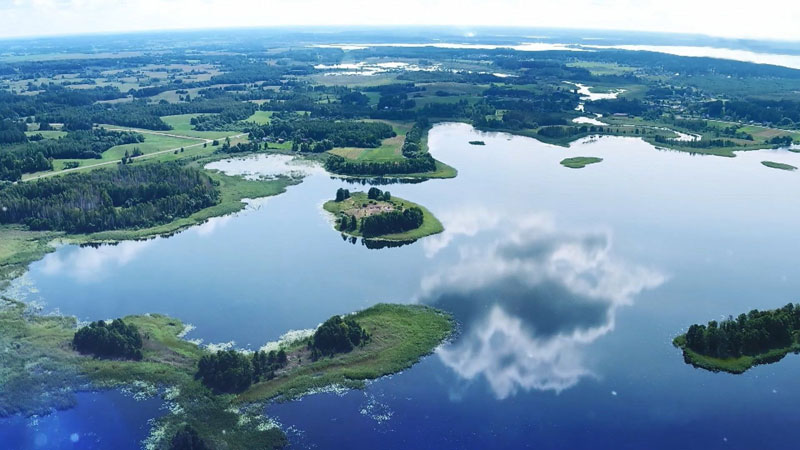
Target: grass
column 181, row 125
column 19, row 247
column 579, row 162
column 391, row 150
column 358, row 200
column 260, row 117
column 731, row 365
column 777, row 165
column 399, row 336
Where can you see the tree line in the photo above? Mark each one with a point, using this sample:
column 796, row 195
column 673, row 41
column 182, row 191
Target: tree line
column 392, row 222
column 137, row 196
column 232, row 371
column 748, row 334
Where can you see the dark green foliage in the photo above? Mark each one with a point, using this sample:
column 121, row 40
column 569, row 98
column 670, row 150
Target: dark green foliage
column 115, row 340
column 265, row 364
column 12, row 132
column 337, row 335
column 748, row 334
column 391, row 222
column 347, row 133
column 342, row 194
column 225, row 371
column 125, row 197
column 705, row 143
column 376, row 194
column 421, row 164
column 348, row 223
column 187, row 439
column 35, row 156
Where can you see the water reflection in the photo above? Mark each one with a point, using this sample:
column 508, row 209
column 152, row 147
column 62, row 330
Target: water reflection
column 93, row 263
column 531, row 302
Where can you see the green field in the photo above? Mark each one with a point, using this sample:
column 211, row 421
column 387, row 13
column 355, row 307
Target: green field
column 358, row 201
column 260, row 117
column 389, row 150
column 181, row 125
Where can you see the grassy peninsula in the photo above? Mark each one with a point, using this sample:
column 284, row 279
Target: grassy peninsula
column 736, row 345
column 41, row 370
column 358, row 214
column 579, row 162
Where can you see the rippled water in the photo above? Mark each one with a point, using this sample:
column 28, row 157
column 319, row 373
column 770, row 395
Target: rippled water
column 568, row 284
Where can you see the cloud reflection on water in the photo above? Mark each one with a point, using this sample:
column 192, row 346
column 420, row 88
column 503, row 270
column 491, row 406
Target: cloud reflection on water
column 88, row 264
column 529, row 302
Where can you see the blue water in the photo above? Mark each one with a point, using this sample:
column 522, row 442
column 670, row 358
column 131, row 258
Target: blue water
column 101, row 420
column 569, row 286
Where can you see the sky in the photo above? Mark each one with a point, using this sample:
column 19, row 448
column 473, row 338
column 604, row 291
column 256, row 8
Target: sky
column 768, row 19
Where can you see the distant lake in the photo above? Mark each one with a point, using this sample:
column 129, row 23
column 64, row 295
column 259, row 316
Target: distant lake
column 568, row 284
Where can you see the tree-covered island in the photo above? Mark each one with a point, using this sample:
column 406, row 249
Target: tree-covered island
column 378, row 215
column 215, row 399
column 737, row 344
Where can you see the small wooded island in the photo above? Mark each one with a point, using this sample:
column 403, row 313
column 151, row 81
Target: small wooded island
column 378, row 215
column 214, row 398
column 737, row 344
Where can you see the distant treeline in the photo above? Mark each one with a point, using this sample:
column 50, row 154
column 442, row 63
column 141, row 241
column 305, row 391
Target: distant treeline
column 347, row 133
column 748, row 334
column 124, row 197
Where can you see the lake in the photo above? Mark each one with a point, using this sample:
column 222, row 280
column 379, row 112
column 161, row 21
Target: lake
column 569, row 285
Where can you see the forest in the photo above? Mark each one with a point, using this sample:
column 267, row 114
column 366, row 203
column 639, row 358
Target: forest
column 748, row 334
column 346, row 133
column 136, row 196
column 109, row 340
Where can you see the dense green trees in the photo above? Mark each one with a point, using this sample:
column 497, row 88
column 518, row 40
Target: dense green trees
column 377, row 194
column 346, row 133
column 232, row 371
column 114, row 340
column 343, row 166
column 337, row 335
column 124, row 197
column 225, row 371
column 342, row 194
column 35, row 156
column 748, row 334
column 392, row 222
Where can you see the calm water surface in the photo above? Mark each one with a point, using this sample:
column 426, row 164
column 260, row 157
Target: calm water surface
column 569, row 286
